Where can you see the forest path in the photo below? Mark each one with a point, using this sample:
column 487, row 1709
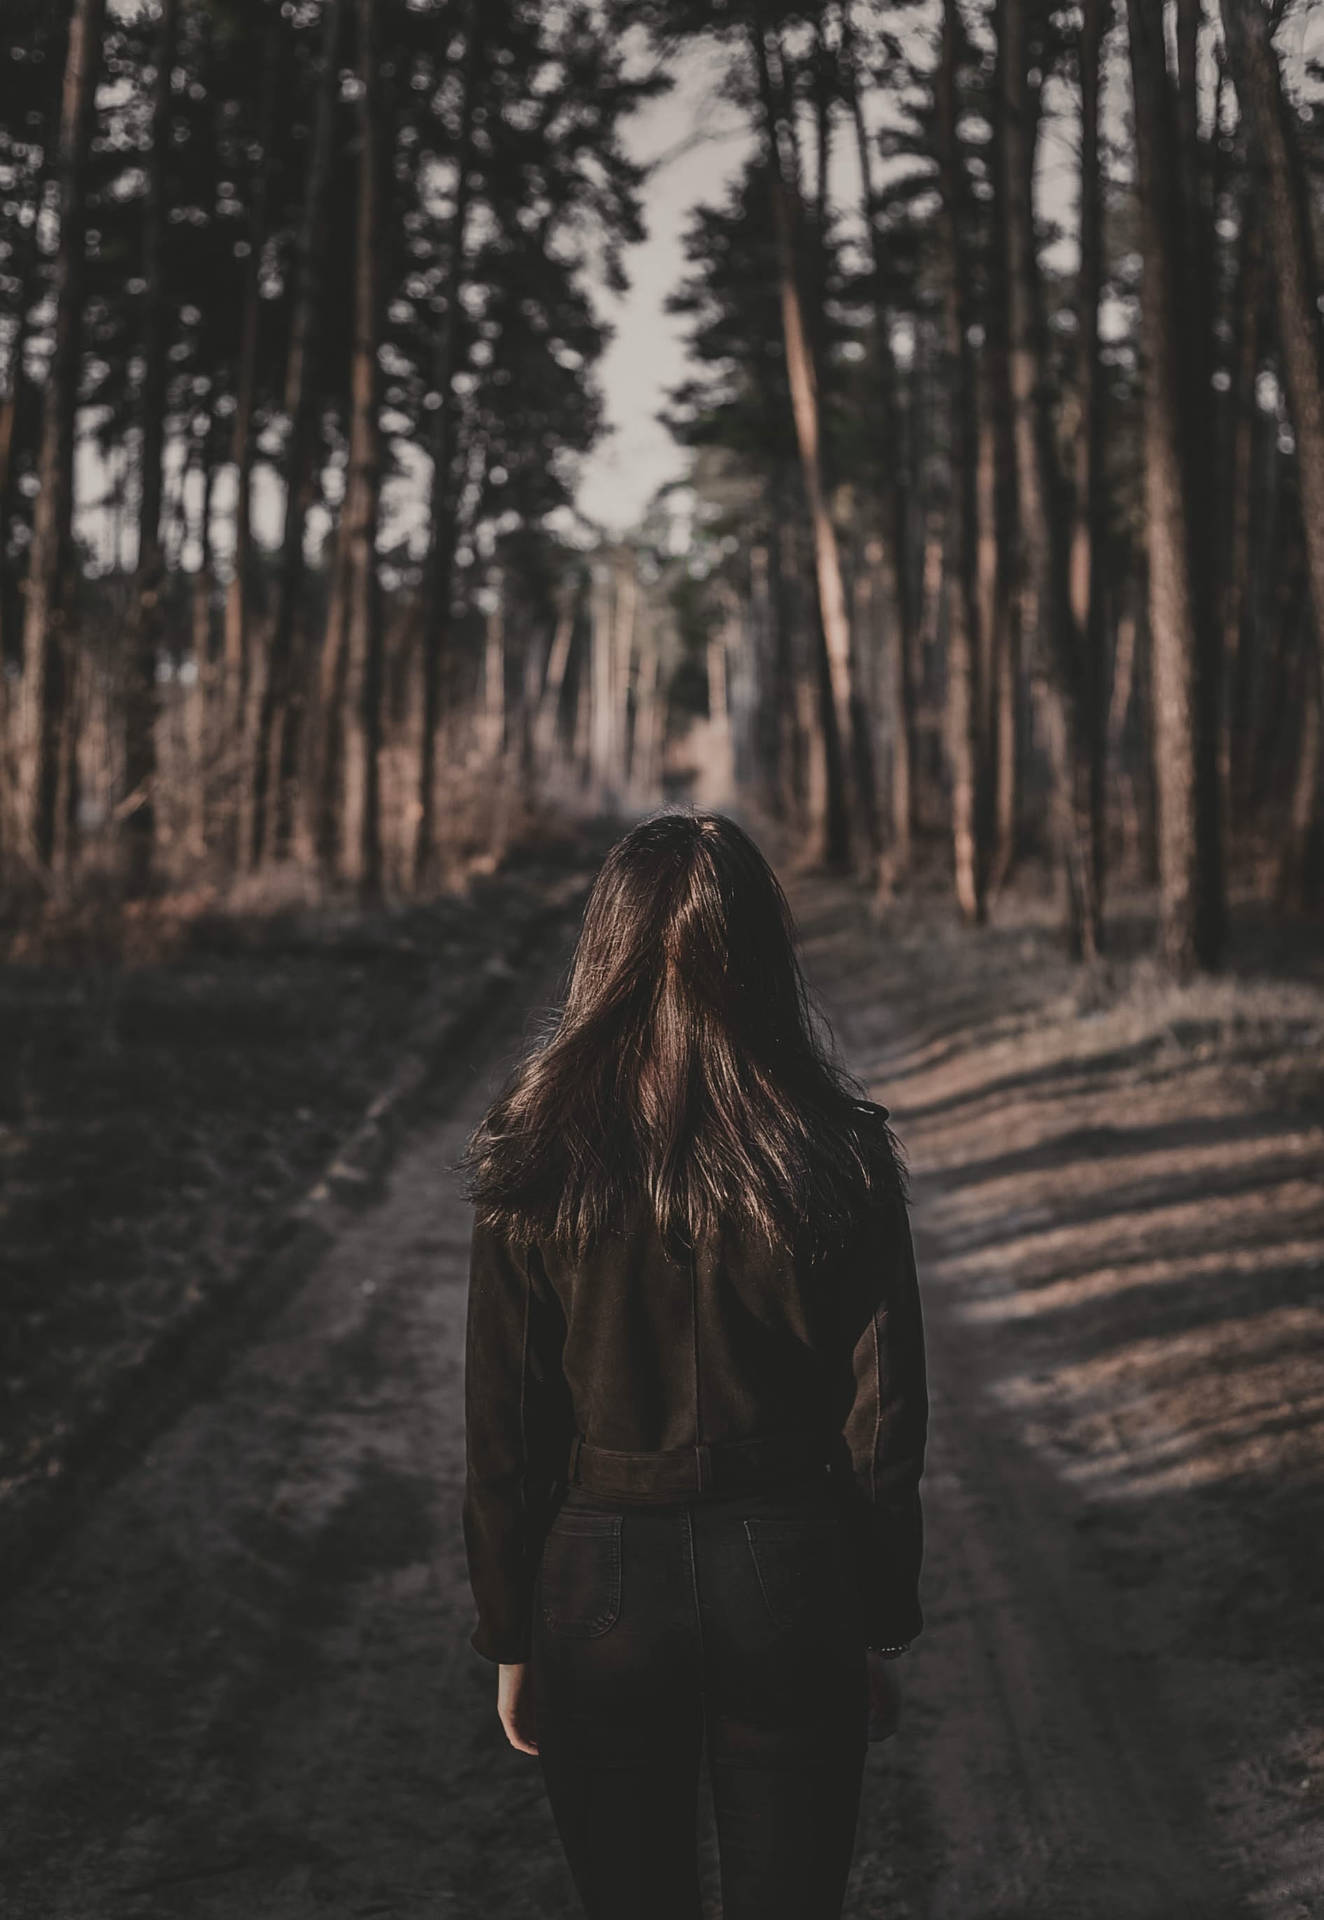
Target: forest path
column 244, row 1688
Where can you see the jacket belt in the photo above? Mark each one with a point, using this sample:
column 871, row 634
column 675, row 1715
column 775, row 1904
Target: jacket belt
column 724, row 1466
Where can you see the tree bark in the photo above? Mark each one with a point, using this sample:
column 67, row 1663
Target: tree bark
column 1296, row 282
column 360, row 834
column 964, row 691
column 41, row 696
column 204, row 721
column 602, row 748
column 25, row 264
column 624, row 624
column 1190, row 920
column 838, row 719
column 783, row 731
column 558, row 659
column 441, row 536
column 999, row 531
column 235, row 654
column 892, row 515
column 275, row 750
column 1236, row 580
column 145, row 627
column 1050, row 639
column 1085, row 569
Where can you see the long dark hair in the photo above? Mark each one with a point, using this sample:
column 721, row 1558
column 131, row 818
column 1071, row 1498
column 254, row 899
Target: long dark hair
column 687, row 1068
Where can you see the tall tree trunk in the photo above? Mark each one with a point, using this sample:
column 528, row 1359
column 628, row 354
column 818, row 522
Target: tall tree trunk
column 1296, row 876
column 624, row 623
column 361, row 839
column 549, row 696
column 25, row 264
column 1190, row 919
column 1296, row 283
column 602, row 750
column 276, row 745
column 201, row 724
column 838, row 719
column 146, row 616
column 719, row 757
column 235, row 653
column 892, row 515
column 1194, row 297
column 495, row 719
column 1001, row 574
column 1236, row 579
column 49, row 589
column 785, row 736
column 646, row 754
column 1051, row 641
column 964, row 692
column 10, row 602
column 442, row 504
column 1085, row 584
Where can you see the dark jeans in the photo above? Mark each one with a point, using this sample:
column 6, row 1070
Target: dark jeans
column 731, row 1620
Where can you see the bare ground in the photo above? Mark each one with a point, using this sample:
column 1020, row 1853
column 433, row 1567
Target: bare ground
column 243, row 1687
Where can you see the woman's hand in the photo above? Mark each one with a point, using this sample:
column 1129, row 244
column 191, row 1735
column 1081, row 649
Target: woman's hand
column 515, row 1707
column 884, row 1697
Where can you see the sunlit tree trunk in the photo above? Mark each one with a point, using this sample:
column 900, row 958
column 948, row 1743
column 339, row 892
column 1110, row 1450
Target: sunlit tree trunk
column 838, row 718
column 964, row 693
column 279, row 713
column 1190, row 915
column 41, row 697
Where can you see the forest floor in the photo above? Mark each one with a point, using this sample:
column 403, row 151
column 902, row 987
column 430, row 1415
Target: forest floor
column 240, row 1686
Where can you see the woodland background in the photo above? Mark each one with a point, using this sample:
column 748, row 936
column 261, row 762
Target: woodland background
column 1003, row 538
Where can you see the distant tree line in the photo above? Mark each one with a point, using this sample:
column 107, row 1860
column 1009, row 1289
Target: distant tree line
column 294, row 302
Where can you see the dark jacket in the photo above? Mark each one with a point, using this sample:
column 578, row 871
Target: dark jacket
column 632, row 1350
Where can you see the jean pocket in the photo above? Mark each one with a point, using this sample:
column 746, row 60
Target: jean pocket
column 801, row 1569
column 580, row 1576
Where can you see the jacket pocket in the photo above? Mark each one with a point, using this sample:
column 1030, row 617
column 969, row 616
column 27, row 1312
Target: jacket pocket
column 580, row 1578
column 802, row 1570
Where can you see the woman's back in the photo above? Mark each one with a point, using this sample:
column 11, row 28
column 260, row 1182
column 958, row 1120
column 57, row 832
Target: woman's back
column 696, row 1404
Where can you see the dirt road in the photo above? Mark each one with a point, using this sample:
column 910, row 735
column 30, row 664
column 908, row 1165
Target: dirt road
column 244, row 1689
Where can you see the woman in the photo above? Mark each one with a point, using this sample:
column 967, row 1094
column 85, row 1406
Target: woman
column 695, row 1397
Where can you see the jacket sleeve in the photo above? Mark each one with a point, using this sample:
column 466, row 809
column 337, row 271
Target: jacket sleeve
column 886, row 1428
column 517, row 1433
